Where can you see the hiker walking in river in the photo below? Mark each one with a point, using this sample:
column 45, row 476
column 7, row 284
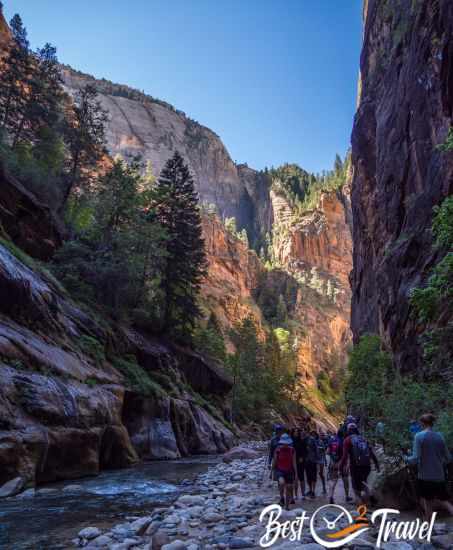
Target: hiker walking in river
column 431, row 455
column 311, row 463
column 285, row 468
column 359, row 453
column 321, row 460
column 273, row 444
column 335, row 453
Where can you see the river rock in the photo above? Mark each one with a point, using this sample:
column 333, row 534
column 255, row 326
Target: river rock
column 240, row 542
column 189, row 500
column 152, row 528
column 100, row 542
column 175, row 545
column 11, row 487
column 139, row 526
column 160, row 539
column 89, row 533
column 212, row 517
column 27, row 493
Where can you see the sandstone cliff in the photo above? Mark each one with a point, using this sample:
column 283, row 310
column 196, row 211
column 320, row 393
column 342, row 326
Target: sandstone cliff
column 405, row 108
column 142, row 125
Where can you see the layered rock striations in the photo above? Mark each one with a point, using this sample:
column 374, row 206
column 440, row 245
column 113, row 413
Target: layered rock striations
column 405, row 109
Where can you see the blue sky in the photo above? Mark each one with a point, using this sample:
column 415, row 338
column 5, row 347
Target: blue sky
column 276, row 79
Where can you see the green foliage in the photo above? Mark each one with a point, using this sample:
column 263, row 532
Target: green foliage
column 448, row 144
column 301, row 189
column 118, row 254
column 376, row 393
column 209, row 340
column 91, row 382
column 431, row 302
column 368, row 367
column 178, row 213
column 137, row 378
column 93, row 348
column 263, row 372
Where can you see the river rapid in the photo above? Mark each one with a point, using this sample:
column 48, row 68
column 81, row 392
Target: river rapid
column 53, row 516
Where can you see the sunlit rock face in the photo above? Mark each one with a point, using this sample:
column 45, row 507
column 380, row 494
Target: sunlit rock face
column 404, row 111
column 315, row 251
column 154, row 130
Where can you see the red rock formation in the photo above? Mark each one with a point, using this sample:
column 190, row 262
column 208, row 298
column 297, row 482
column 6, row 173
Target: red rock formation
column 315, row 249
column 233, row 274
column 404, row 111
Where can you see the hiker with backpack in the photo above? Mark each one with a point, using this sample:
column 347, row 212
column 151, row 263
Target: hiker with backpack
column 285, row 468
column 359, row 453
column 273, row 444
column 335, row 452
column 431, row 456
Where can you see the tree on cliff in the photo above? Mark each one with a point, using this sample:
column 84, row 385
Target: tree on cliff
column 178, row 212
column 85, row 136
column 14, row 75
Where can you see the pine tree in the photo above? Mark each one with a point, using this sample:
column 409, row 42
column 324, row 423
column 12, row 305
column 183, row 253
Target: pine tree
column 14, row 75
column 178, row 213
column 85, row 136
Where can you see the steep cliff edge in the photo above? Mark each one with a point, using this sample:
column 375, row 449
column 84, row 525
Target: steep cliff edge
column 405, row 109
column 141, row 125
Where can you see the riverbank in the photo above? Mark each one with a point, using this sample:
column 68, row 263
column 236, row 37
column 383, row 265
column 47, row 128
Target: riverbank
column 220, row 510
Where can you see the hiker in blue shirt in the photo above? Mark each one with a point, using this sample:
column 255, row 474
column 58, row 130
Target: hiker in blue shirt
column 431, row 455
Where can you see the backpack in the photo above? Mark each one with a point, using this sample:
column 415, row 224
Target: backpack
column 284, row 458
column 360, row 451
column 335, row 450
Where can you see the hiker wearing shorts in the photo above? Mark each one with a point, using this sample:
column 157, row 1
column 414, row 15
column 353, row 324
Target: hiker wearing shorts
column 285, row 468
column 334, row 452
column 360, row 454
column 431, row 455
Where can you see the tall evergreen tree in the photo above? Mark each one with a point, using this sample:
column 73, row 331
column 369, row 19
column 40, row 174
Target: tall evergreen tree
column 85, row 136
column 178, row 213
column 14, row 75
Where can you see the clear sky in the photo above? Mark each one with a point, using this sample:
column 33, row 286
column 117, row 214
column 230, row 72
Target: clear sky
column 276, row 79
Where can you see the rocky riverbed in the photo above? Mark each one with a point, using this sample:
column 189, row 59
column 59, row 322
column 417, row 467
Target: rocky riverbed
column 220, row 509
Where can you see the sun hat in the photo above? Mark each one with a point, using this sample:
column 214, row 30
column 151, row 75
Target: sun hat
column 285, row 440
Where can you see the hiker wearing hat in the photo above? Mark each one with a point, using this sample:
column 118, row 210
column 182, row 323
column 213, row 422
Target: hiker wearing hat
column 359, row 453
column 285, row 468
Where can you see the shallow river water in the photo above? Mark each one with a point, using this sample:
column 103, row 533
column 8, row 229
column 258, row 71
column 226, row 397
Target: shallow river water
column 49, row 521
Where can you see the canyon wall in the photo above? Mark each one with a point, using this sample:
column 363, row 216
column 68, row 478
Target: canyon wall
column 405, row 108
column 141, row 125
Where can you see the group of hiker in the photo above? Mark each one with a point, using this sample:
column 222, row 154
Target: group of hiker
column 297, row 457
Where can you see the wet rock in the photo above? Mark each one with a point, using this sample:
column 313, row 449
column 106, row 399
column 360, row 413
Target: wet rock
column 11, row 487
column 100, row 542
column 139, row 526
column 153, row 527
column 160, row 538
column 89, row 533
column 175, row 545
column 240, row 542
column 27, row 493
column 69, row 488
column 189, row 500
column 397, row 545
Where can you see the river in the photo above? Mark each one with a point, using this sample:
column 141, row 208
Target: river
column 50, row 520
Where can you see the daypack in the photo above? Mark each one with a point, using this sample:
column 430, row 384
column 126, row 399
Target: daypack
column 335, row 450
column 360, row 451
column 284, row 458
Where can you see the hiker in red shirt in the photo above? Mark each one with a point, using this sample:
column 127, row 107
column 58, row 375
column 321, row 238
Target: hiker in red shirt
column 285, row 468
column 359, row 453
